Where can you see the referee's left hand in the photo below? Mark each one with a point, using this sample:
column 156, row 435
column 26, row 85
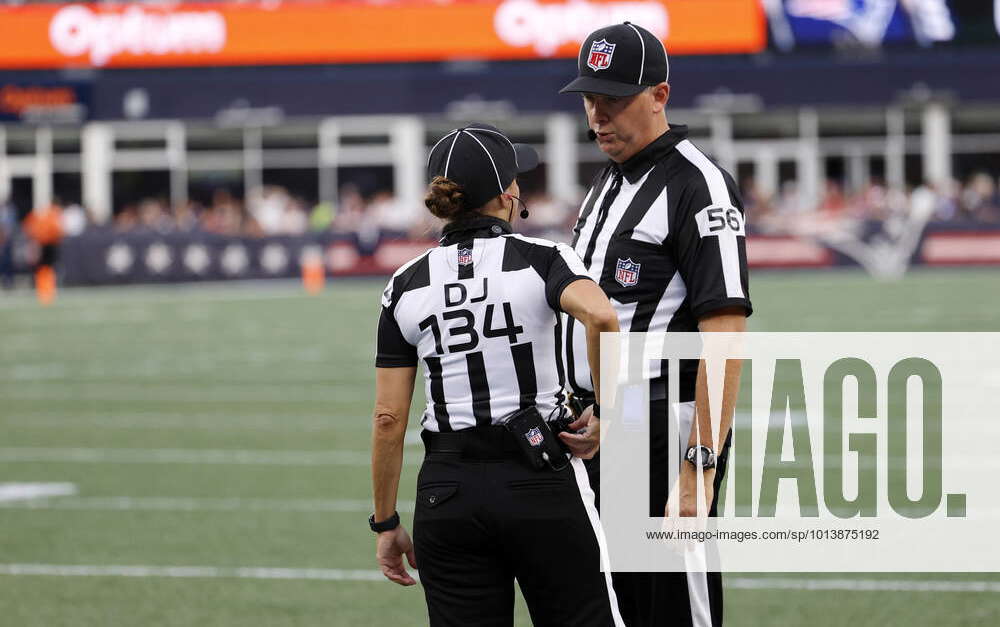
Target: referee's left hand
column 389, row 549
column 684, row 510
column 587, row 439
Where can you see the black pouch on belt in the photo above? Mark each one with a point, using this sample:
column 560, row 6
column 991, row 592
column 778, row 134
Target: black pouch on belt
column 578, row 403
column 540, row 447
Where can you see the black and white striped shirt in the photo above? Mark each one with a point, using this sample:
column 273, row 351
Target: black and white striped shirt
column 481, row 312
column 664, row 236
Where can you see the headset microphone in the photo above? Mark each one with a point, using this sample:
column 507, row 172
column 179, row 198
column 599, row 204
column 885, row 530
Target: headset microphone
column 524, row 214
column 591, row 135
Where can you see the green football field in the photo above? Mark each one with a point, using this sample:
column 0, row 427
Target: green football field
column 206, row 453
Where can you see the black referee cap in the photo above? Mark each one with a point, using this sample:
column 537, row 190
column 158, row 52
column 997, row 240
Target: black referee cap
column 620, row 60
column 481, row 159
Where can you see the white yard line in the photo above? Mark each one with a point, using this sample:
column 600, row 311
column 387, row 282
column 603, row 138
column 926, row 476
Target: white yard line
column 861, row 585
column 22, row 492
column 189, row 456
column 335, row 574
column 192, row 572
column 335, row 393
column 185, row 504
column 205, row 422
column 273, row 420
column 215, row 291
column 265, row 457
column 169, row 421
column 68, row 501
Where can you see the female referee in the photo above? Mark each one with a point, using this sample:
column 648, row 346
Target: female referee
column 499, row 497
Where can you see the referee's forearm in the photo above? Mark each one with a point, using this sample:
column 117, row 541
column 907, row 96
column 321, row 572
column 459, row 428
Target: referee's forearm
column 606, row 322
column 701, row 429
column 729, row 320
column 388, row 433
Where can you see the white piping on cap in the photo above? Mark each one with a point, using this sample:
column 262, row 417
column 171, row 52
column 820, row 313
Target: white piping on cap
column 446, row 136
column 450, row 150
column 505, row 138
column 642, row 64
column 493, row 163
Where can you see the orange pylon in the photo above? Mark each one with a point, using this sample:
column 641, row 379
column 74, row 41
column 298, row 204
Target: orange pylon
column 313, row 276
column 45, row 284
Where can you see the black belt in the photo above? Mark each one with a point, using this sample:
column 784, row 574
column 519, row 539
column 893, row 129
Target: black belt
column 488, row 442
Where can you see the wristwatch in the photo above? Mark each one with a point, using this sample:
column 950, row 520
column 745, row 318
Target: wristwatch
column 700, row 456
column 388, row 524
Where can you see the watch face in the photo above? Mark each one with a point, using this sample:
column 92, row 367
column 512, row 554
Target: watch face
column 701, row 456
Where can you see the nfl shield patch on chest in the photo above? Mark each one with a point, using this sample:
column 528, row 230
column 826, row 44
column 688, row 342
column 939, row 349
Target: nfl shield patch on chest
column 464, row 256
column 600, row 55
column 627, row 272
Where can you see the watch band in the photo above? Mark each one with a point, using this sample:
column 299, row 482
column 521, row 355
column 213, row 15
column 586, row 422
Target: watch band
column 597, row 411
column 388, row 524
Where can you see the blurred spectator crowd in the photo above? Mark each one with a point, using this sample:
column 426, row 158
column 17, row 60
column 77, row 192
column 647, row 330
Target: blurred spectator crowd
column 275, row 211
column 974, row 202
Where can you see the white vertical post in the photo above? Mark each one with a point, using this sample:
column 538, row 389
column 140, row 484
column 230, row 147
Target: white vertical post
column 766, row 170
column 329, row 147
column 808, row 164
column 561, row 155
column 5, row 182
column 177, row 161
column 97, row 151
column 936, row 143
column 722, row 141
column 858, row 172
column 253, row 160
column 408, row 157
column 41, row 185
column 895, row 148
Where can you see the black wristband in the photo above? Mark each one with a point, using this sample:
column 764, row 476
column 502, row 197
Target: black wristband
column 597, row 411
column 388, row 524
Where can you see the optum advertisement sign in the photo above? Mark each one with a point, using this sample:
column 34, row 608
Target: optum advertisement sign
column 47, row 36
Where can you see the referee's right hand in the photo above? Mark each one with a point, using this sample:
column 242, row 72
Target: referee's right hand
column 389, row 549
column 587, row 439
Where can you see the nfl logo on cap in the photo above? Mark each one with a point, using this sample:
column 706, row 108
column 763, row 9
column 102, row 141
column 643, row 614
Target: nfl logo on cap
column 534, row 436
column 600, row 55
column 464, row 256
column 627, row 272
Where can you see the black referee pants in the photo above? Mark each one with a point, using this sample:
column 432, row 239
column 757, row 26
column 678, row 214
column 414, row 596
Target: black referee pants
column 481, row 523
column 675, row 599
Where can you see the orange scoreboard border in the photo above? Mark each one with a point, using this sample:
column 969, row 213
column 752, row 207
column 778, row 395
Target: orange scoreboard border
column 81, row 35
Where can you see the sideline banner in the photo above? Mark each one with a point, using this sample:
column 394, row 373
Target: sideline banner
column 108, row 258
column 134, row 35
column 100, row 257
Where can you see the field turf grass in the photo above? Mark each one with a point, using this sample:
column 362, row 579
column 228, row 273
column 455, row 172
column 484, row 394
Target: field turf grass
column 227, row 427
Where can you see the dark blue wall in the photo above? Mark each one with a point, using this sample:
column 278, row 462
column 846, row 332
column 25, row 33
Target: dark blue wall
column 531, row 86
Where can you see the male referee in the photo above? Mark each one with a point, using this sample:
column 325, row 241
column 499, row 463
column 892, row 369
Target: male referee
column 662, row 231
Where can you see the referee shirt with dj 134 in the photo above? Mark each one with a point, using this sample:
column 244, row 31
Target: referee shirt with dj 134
column 481, row 311
column 664, row 235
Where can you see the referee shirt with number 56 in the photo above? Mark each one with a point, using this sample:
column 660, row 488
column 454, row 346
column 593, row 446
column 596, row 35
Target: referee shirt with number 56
column 664, row 235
